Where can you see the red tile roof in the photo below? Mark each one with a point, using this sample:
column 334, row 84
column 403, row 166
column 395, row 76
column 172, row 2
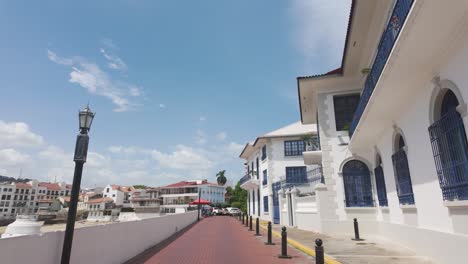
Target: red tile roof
column 50, row 186
column 100, row 200
column 122, row 188
column 189, row 183
column 23, row 185
column 68, row 186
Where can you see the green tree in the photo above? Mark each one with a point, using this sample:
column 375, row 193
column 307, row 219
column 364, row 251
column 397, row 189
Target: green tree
column 239, row 198
column 220, row 178
column 139, row 186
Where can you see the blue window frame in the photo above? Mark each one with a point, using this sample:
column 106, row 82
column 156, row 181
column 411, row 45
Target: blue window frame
column 357, row 183
column 402, row 174
column 258, row 170
column 265, row 204
column 294, row 147
column 296, row 174
column 264, row 154
column 265, row 177
column 258, row 201
column 450, row 149
column 345, row 106
column 253, row 201
column 380, row 184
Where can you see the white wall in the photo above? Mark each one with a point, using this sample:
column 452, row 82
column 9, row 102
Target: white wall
column 112, row 243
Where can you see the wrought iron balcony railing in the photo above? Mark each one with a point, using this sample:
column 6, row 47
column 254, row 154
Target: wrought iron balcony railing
column 387, row 41
column 244, row 179
column 314, row 176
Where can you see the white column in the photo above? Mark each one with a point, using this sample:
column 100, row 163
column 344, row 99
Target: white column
column 280, row 205
column 294, row 193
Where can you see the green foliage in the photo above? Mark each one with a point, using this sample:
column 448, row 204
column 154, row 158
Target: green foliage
column 239, row 198
column 139, row 186
column 220, row 178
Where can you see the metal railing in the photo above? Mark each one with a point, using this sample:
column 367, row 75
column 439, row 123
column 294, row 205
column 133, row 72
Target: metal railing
column 244, row 179
column 387, row 41
column 450, row 149
column 314, row 176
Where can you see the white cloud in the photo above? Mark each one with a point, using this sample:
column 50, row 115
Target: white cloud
column 183, row 157
column 113, row 61
column 162, row 106
column 202, row 118
column 122, row 164
column 11, row 157
column 94, row 80
column 221, row 135
column 320, row 28
column 18, row 134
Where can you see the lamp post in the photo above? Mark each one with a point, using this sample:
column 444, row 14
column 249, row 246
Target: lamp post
column 199, row 195
column 81, row 151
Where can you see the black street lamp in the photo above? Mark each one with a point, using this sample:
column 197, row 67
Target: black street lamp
column 199, row 196
column 81, row 151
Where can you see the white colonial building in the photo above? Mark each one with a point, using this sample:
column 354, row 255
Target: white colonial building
column 392, row 122
column 274, row 161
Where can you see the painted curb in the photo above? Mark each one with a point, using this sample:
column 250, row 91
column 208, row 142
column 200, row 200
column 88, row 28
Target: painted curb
column 301, row 247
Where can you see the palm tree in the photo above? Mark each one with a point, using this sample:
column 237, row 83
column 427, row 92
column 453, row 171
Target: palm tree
column 220, row 178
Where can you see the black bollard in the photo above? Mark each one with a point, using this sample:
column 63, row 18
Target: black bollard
column 319, row 255
column 250, row 226
column 243, row 219
column 284, row 244
column 257, row 228
column 247, row 221
column 356, row 231
column 269, row 242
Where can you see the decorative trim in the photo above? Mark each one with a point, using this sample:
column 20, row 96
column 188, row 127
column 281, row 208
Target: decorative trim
column 408, row 207
column 456, row 204
column 373, row 208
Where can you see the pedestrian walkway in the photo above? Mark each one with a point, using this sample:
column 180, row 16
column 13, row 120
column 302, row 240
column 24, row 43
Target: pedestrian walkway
column 221, row 239
column 347, row 251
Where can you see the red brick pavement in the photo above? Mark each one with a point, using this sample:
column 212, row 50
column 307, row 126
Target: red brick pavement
column 223, row 240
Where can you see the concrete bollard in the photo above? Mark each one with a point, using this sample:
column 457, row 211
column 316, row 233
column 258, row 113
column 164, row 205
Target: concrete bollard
column 356, row 231
column 257, row 227
column 319, row 254
column 284, row 244
column 269, row 242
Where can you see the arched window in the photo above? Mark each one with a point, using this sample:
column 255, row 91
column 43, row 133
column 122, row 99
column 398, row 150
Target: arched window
column 380, row 182
column 449, row 146
column 357, row 183
column 402, row 173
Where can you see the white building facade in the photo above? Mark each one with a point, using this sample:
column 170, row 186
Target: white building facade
column 274, row 161
column 392, row 122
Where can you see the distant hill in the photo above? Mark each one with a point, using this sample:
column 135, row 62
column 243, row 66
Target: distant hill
column 11, row 179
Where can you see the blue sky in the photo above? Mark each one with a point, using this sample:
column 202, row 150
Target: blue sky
column 178, row 86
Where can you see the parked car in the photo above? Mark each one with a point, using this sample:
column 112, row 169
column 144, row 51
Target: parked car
column 234, row 211
column 217, row 211
column 225, row 211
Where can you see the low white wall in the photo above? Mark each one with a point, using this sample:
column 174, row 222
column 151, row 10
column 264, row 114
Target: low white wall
column 112, row 243
column 306, row 215
column 442, row 247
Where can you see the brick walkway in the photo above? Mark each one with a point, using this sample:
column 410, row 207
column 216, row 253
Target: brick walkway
column 224, row 240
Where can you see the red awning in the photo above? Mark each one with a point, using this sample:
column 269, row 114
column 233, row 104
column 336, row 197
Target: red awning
column 201, row 201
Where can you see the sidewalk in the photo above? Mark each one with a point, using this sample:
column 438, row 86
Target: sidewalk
column 347, row 251
column 221, row 239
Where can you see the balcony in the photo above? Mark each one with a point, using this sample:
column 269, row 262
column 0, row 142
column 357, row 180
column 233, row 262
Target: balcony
column 313, row 153
column 249, row 181
column 314, row 176
column 387, row 41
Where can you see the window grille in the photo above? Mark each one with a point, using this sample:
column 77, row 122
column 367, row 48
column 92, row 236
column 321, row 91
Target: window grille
column 450, row 149
column 294, row 147
column 403, row 177
column 357, row 183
